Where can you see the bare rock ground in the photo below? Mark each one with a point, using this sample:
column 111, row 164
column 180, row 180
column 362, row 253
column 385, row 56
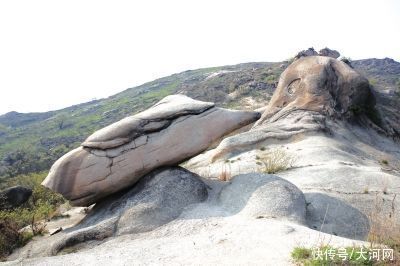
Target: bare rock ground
column 212, row 232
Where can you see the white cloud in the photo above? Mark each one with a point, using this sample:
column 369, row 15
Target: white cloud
column 57, row 53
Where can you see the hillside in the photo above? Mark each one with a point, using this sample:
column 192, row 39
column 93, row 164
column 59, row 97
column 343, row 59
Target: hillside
column 36, row 140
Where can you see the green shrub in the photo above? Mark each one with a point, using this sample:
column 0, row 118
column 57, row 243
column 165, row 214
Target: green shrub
column 373, row 82
column 271, row 79
column 300, row 253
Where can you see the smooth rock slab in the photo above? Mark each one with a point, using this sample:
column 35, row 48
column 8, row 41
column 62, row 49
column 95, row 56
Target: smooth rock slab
column 116, row 157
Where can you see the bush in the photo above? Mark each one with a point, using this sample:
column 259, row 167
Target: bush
column 271, row 79
column 11, row 237
column 40, row 207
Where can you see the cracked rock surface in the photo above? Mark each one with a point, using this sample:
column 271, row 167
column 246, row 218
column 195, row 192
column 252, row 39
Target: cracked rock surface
column 117, row 156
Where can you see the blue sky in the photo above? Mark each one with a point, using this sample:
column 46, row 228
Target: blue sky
column 57, row 53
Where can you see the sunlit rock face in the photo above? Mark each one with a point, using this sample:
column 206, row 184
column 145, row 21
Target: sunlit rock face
column 320, row 84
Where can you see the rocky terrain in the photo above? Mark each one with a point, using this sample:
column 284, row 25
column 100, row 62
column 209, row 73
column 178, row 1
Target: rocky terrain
column 184, row 181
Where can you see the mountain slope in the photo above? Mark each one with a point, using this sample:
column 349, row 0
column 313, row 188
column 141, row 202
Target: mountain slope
column 382, row 73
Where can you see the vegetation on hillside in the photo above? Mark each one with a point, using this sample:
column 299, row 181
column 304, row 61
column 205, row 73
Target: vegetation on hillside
column 41, row 206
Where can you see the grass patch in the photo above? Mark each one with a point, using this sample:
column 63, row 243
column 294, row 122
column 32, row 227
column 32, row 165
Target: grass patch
column 385, row 162
column 277, row 160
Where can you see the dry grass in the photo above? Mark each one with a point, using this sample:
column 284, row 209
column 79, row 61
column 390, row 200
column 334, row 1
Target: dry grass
column 384, row 228
column 225, row 174
column 276, row 160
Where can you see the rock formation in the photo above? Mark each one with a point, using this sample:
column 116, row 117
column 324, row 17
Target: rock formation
column 328, row 52
column 14, row 197
column 323, row 114
column 319, row 84
column 323, row 52
column 310, row 90
column 259, row 195
column 117, row 156
column 309, row 52
column 175, row 195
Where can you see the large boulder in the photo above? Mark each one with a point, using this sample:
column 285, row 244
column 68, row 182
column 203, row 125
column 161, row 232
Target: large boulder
column 117, row 156
column 310, row 91
column 14, row 197
column 319, row 84
column 259, row 195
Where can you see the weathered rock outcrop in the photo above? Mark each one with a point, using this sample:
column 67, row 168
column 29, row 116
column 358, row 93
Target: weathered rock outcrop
column 323, row 114
column 311, row 90
column 117, row 156
column 319, row 84
column 328, row 52
column 323, row 52
column 14, row 197
column 309, row 52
